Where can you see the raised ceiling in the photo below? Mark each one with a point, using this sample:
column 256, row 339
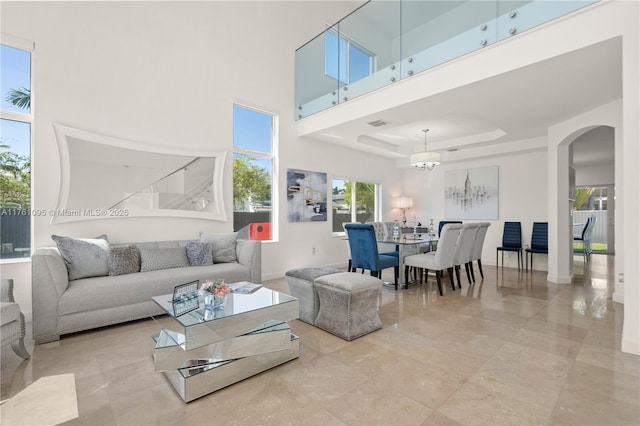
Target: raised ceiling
column 509, row 107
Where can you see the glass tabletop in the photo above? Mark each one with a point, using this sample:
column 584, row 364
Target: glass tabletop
column 234, row 304
column 410, row 239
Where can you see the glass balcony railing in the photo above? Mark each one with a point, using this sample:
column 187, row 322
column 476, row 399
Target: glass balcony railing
column 386, row 41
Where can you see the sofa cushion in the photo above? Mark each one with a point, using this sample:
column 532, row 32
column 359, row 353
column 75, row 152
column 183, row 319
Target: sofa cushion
column 131, row 289
column 199, row 253
column 84, row 257
column 124, row 260
column 153, row 259
column 222, row 245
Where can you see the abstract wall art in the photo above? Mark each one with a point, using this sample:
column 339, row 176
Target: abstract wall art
column 471, row 193
column 306, row 196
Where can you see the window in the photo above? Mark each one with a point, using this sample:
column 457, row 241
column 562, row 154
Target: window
column 254, row 145
column 345, row 60
column 350, row 207
column 591, row 198
column 15, row 152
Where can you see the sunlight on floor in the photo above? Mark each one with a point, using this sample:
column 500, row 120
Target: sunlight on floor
column 48, row 401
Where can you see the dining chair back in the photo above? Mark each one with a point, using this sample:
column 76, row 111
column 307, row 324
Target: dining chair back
column 348, row 249
column 476, row 251
column 589, row 235
column 364, row 251
column 440, row 259
column 585, row 238
column 511, row 241
column 539, row 241
column 584, row 232
column 384, row 232
column 464, row 246
column 443, row 223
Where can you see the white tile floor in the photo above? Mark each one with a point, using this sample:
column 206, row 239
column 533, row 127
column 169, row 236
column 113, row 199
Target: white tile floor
column 511, row 349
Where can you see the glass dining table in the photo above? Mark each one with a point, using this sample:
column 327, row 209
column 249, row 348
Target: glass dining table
column 408, row 244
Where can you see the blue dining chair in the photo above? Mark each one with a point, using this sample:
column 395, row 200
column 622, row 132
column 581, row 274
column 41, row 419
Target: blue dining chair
column 539, row 242
column 364, row 252
column 585, row 238
column 511, row 241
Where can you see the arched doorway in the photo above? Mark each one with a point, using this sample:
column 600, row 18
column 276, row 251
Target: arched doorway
column 592, row 169
column 561, row 180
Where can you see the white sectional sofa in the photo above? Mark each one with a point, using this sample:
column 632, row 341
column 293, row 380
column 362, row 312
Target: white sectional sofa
column 62, row 305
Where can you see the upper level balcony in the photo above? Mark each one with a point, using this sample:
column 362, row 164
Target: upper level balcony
column 384, row 42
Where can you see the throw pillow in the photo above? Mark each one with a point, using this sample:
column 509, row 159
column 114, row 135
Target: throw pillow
column 84, row 257
column 222, row 245
column 124, row 260
column 199, row 253
column 153, row 259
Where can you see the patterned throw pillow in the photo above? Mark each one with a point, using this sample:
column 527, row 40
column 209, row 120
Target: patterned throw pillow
column 153, row 259
column 222, row 245
column 84, row 257
column 199, row 253
column 124, row 260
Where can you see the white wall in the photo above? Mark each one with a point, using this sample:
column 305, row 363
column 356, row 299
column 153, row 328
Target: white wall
column 168, row 73
column 595, row 175
column 521, row 199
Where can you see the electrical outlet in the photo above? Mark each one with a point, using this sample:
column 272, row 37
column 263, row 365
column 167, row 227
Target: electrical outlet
column 313, row 251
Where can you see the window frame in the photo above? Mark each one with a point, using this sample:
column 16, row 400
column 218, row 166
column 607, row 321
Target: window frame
column 19, row 43
column 349, row 42
column 271, row 156
column 377, row 214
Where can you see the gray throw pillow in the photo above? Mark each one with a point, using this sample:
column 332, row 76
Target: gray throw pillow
column 153, row 259
column 84, row 257
column 124, row 260
column 222, row 245
column 199, row 253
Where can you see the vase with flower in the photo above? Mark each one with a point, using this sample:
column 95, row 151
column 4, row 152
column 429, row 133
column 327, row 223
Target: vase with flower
column 216, row 291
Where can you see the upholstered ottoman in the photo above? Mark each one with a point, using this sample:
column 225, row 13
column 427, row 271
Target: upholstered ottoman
column 348, row 304
column 301, row 287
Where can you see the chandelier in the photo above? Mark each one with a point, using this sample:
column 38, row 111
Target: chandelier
column 425, row 160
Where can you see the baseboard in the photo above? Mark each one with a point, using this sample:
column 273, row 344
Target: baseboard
column 631, row 346
column 560, row 280
column 618, row 297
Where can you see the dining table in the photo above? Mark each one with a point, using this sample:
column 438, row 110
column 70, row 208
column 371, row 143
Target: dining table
column 408, row 243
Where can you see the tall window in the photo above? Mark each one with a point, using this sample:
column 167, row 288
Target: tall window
column 254, row 146
column 353, row 202
column 15, row 152
column 345, row 60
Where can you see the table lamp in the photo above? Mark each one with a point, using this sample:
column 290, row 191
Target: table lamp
column 403, row 203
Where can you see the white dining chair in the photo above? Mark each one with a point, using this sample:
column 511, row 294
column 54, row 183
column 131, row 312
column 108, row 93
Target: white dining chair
column 476, row 252
column 439, row 260
column 463, row 250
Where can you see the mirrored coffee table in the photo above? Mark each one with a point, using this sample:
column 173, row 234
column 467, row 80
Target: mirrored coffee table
column 203, row 351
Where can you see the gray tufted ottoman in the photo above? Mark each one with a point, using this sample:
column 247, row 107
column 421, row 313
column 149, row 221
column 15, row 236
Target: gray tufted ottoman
column 348, row 304
column 301, row 287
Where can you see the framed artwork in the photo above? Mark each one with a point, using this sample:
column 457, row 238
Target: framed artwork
column 471, row 193
column 306, row 196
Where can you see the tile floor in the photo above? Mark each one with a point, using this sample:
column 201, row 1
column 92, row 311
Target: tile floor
column 510, row 350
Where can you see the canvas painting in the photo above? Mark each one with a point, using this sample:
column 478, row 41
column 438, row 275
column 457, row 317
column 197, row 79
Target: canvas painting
column 471, row 193
column 306, row 196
